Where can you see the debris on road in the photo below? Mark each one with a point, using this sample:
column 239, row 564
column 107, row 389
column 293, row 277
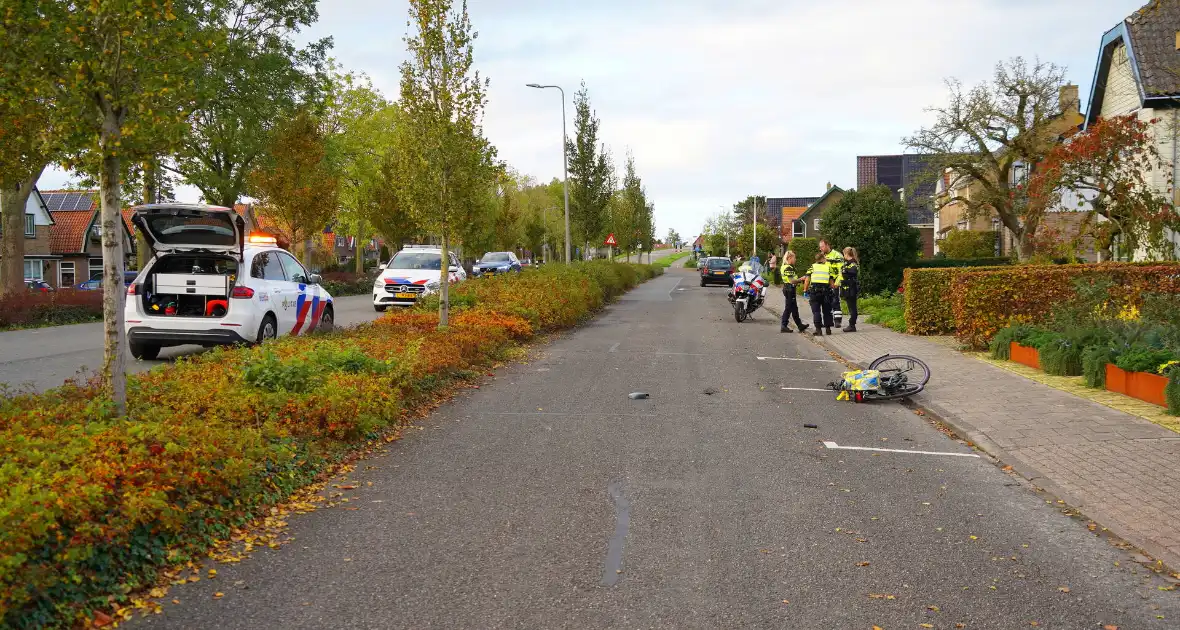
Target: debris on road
column 810, row 426
column 637, row 395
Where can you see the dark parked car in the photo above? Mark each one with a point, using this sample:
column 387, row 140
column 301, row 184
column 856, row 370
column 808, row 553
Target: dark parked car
column 38, row 285
column 94, row 284
column 494, row 263
column 717, row 270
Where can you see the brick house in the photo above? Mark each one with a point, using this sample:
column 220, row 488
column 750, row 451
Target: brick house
column 807, row 225
column 904, row 175
column 39, row 258
column 784, row 211
column 75, row 238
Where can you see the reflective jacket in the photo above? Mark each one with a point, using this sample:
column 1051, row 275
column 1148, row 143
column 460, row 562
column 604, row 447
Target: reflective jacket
column 836, row 261
column 821, row 274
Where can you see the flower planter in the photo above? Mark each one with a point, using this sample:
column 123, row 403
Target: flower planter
column 1140, row 385
column 1025, row 355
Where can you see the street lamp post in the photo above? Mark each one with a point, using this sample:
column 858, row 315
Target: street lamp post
column 564, row 166
column 728, row 220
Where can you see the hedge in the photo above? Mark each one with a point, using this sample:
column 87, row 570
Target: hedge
column 939, row 263
column 805, row 250
column 985, row 301
column 928, row 302
column 93, row 506
column 31, row 309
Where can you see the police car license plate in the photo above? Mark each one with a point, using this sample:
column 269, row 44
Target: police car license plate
column 405, row 296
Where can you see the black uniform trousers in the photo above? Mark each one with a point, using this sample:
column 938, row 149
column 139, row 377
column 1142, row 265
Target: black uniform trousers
column 821, row 306
column 850, row 295
column 791, row 309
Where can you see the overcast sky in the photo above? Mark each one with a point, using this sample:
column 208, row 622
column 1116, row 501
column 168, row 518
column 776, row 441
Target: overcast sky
column 719, row 99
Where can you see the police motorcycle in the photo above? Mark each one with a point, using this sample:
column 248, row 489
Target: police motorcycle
column 747, row 293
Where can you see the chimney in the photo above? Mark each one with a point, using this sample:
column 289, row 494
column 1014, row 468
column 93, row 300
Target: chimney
column 1068, row 98
column 829, row 187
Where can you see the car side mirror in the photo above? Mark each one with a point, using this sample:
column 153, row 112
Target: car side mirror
column 453, row 269
column 314, row 279
column 381, row 266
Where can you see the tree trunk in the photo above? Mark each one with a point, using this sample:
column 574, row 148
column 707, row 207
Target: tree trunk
column 359, row 249
column 113, row 293
column 308, row 251
column 14, row 198
column 150, row 193
column 444, row 303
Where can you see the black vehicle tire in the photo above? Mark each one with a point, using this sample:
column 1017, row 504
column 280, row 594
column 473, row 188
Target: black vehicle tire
column 702, row 282
column 327, row 321
column 739, row 312
column 380, row 308
column 267, row 330
column 144, row 351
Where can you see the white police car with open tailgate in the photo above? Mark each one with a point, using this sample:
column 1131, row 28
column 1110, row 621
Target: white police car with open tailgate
column 208, row 284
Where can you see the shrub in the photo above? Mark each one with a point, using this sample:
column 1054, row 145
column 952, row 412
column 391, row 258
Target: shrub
column 343, row 283
column 1094, row 360
column 1061, row 356
column 1144, row 359
column 1000, row 345
column 805, row 250
column 939, row 263
column 877, row 225
column 987, row 300
column 969, row 244
column 93, row 505
column 1172, row 390
column 884, row 310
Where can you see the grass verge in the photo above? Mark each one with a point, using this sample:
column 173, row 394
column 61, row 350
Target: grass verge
column 93, row 507
column 887, row 311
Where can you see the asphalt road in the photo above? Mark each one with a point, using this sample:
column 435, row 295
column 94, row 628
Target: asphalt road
column 42, row 358
column 548, row 498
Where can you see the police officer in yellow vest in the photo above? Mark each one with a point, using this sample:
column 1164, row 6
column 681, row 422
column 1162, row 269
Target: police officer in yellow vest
column 819, row 285
column 836, row 261
column 790, row 281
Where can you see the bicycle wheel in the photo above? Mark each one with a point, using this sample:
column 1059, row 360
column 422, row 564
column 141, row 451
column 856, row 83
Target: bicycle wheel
column 916, row 372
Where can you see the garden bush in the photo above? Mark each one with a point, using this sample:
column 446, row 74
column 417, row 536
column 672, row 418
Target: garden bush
column 883, row 310
column 987, row 300
column 1172, row 389
column 1144, row 359
column 1000, row 345
column 805, row 250
column 966, row 244
column 343, row 283
column 1094, row 360
column 93, row 505
column 928, row 299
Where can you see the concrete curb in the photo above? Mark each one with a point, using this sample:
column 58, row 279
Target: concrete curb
column 977, row 439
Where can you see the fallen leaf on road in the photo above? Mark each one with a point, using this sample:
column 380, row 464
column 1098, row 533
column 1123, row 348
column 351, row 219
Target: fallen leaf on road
column 218, row 595
column 176, row 601
column 974, row 537
column 925, row 625
column 1006, row 468
column 346, row 486
column 1033, row 623
column 1063, row 589
column 862, row 564
column 212, row 573
column 878, row 628
column 1110, row 627
column 933, row 608
column 194, row 578
column 881, row 596
column 786, row 601
column 960, row 625
column 102, row 619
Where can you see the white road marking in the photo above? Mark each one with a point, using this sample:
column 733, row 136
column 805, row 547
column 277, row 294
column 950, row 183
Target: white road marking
column 809, row 389
column 678, row 280
column 795, row 359
column 895, row 450
column 614, row 347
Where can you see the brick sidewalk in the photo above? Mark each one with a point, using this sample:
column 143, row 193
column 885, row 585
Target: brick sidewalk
column 1120, row 470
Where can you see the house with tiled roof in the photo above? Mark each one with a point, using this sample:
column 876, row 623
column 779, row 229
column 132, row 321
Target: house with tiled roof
column 783, row 213
column 75, row 238
column 1138, row 72
column 38, row 223
column 807, row 225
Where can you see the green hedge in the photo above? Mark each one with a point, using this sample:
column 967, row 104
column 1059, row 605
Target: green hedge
column 805, row 250
column 928, row 299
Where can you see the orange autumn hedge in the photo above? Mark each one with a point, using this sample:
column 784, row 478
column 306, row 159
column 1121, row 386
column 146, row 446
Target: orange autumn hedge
column 984, row 302
column 92, row 506
column 928, row 299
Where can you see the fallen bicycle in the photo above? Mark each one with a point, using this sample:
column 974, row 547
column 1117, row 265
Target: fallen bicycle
column 888, row 377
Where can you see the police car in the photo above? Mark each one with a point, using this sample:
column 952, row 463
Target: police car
column 412, row 273
column 208, row 284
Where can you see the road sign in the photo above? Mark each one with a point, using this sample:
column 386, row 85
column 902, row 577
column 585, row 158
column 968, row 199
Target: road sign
column 610, row 240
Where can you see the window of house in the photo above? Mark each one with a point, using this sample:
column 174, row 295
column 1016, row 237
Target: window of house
column 34, row 270
column 816, row 223
column 66, row 271
column 95, row 268
column 30, row 225
column 797, row 228
column 962, row 225
column 339, row 241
